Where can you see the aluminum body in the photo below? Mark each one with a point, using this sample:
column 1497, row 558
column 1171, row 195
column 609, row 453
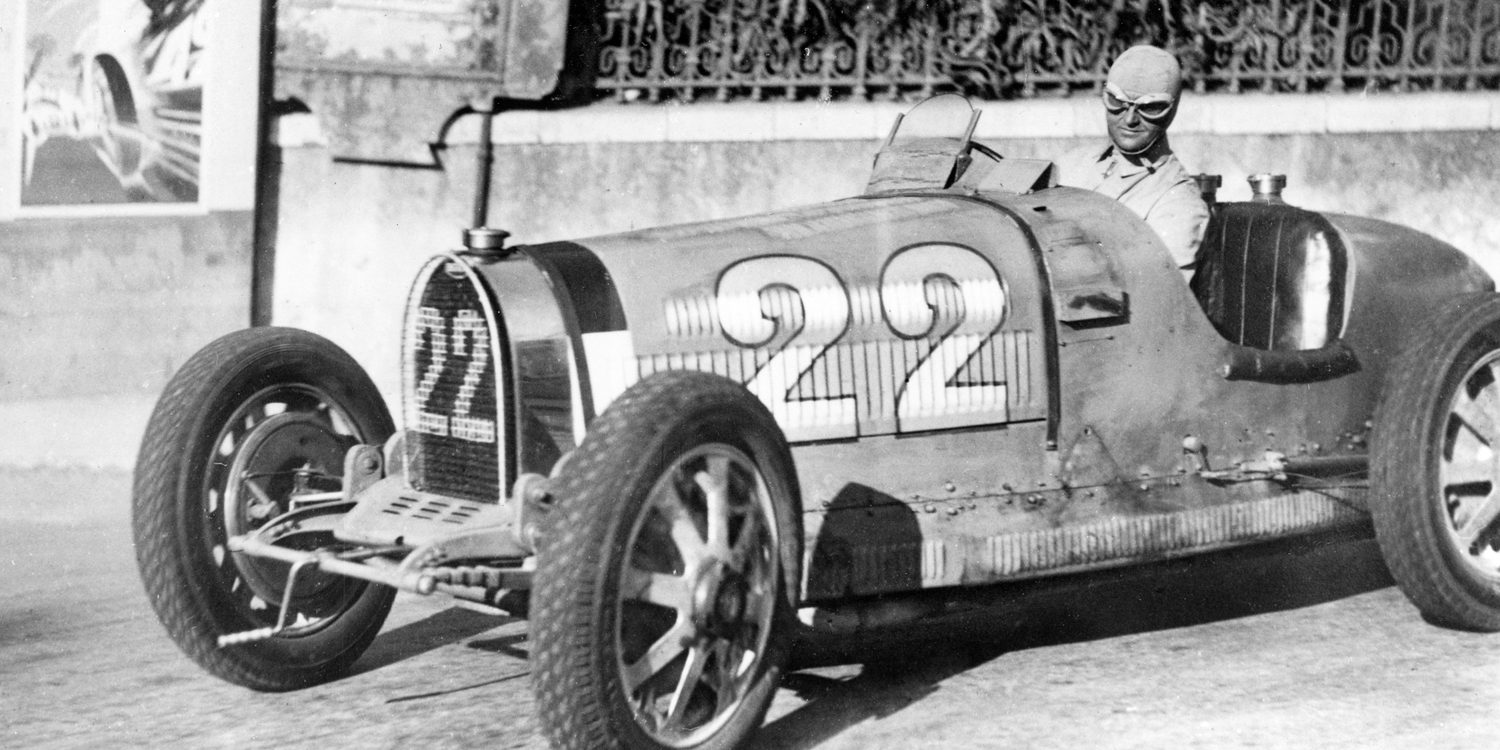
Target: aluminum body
column 978, row 385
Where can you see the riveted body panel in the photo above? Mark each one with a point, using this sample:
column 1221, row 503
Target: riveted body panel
column 987, row 386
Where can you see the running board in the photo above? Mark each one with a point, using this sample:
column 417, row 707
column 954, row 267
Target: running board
column 849, row 562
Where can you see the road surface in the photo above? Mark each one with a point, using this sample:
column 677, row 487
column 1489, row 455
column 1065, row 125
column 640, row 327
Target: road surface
column 69, row 172
column 1303, row 645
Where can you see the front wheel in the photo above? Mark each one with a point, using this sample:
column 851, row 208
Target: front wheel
column 1435, row 467
column 664, row 593
column 251, row 424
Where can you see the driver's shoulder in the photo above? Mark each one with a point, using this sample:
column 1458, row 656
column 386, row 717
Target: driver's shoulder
column 1174, row 183
column 1075, row 166
column 1172, row 171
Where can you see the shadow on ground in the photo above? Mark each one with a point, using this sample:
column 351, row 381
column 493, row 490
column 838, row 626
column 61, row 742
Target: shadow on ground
column 902, row 665
column 971, row 627
column 435, row 631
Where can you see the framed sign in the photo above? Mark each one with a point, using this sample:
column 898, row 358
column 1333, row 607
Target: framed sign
column 131, row 106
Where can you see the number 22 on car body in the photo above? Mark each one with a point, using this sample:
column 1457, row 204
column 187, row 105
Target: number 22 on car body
column 912, row 353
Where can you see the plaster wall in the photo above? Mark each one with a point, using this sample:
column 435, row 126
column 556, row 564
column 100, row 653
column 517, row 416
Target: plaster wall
column 115, row 305
column 351, row 237
column 108, row 282
column 110, row 305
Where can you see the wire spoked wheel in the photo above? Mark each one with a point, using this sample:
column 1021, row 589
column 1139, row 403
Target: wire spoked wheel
column 697, row 594
column 1435, row 466
column 664, row 597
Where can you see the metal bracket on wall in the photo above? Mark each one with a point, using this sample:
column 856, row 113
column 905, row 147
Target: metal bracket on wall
column 484, row 157
column 435, row 148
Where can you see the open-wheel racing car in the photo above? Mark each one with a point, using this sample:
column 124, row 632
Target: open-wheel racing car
column 693, row 445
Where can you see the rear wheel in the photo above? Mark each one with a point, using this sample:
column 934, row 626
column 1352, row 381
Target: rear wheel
column 1435, row 468
column 664, row 590
column 252, row 423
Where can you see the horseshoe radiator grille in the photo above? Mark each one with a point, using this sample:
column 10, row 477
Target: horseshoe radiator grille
column 452, row 363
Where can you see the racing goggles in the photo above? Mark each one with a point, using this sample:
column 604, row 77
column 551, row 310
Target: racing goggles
column 1151, row 107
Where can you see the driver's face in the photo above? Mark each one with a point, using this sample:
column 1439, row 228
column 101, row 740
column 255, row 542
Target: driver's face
column 1131, row 132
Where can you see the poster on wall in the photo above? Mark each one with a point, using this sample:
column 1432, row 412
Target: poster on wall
column 112, row 102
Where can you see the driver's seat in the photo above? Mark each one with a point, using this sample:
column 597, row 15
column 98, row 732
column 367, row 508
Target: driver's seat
column 1271, row 276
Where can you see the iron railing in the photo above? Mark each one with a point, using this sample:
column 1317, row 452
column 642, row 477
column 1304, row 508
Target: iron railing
column 842, row 49
column 831, row 49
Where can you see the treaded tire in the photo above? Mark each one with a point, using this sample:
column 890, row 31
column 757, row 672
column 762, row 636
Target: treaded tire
column 1419, row 447
column 606, row 501
column 183, row 507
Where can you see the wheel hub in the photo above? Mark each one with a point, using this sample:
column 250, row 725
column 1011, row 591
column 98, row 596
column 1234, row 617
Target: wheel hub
column 263, row 476
column 729, row 606
column 694, row 618
column 719, row 599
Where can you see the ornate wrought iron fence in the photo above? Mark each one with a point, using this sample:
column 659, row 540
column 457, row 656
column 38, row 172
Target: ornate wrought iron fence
column 826, row 49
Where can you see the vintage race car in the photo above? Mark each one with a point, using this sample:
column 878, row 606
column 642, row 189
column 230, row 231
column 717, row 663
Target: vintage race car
column 692, row 446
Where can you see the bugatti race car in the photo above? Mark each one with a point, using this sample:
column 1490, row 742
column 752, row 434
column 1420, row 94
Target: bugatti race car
column 687, row 448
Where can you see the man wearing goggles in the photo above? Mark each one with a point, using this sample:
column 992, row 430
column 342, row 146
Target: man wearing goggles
column 1138, row 167
column 1155, row 108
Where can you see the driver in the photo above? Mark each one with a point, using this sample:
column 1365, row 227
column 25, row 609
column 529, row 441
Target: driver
column 1137, row 167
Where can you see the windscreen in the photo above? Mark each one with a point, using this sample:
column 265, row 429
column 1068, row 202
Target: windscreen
column 928, row 146
column 946, row 116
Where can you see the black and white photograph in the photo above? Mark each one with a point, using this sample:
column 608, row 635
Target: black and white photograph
column 714, row 374
column 113, row 101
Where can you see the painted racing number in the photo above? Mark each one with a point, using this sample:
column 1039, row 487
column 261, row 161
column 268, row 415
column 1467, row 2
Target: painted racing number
column 914, row 352
column 458, row 349
column 795, row 308
column 960, row 307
